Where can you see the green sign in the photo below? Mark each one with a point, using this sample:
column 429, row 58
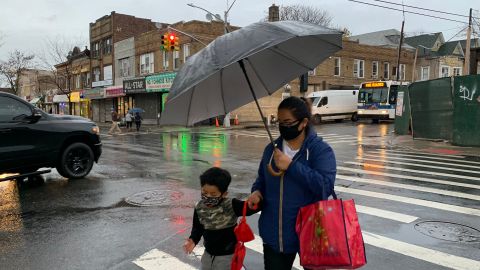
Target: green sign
column 160, row 82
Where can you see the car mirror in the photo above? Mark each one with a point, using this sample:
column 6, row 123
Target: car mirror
column 36, row 115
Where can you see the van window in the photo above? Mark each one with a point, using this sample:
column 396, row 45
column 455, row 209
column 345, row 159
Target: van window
column 323, row 102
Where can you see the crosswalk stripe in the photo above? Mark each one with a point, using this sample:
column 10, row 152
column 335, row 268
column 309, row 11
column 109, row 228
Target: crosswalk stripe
column 413, row 171
column 423, row 153
column 401, row 176
column 385, row 214
column 257, row 246
column 156, row 259
column 419, row 156
column 337, row 136
column 421, row 253
column 420, row 202
column 426, row 161
column 411, row 187
column 341, row 141
column 419, row 165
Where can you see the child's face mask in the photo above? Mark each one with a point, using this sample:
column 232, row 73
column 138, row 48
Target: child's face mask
column 211, row 201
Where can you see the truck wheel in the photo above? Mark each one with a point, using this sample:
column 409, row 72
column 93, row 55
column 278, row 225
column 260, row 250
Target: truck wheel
column 317, row 119
column 375, row 121
column 338, row 120
column 354, row 117
column 76, row 161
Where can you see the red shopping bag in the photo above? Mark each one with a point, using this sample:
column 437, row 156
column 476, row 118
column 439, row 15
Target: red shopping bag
column 330, row 236
column 244, row 233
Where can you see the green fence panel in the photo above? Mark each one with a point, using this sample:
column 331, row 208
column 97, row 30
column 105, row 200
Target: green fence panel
column 466, row 115
column 402, row 111
column 432, row 109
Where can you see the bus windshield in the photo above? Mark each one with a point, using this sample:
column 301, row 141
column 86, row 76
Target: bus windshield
column 373, row 95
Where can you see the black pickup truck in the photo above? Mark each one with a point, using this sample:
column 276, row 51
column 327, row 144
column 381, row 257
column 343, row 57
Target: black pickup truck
column 31, row 139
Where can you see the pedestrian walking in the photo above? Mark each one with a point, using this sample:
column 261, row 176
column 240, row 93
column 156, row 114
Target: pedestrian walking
column 138, row 120
column 115, row 120
column 308, row 170
column 129, row 120
column 214, row 218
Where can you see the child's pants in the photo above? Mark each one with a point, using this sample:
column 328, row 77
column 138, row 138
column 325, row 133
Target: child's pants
column 210, row 262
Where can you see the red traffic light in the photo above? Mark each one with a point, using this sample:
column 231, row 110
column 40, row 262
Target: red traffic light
column 172, row 37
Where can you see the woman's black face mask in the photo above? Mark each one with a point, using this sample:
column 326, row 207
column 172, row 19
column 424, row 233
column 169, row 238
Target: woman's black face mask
column 290, row 132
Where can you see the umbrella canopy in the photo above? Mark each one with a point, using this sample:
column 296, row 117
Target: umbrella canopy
column 213, row 83
column 135, row 110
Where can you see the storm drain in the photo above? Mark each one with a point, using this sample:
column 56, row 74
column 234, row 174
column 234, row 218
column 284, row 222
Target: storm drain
column 449, row 231
column 154, row 198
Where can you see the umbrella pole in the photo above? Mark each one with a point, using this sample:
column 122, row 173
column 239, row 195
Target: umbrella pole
column 242, row 65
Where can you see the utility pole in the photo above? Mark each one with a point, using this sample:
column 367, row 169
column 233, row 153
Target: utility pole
column 400, row 52
column 466, row 68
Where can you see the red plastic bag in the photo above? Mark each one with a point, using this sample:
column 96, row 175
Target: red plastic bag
column 330, row 236
column 244, row 233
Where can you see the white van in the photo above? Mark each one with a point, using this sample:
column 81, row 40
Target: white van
column 334, row 105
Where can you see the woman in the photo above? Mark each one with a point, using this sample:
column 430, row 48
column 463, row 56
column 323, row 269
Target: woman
column 129, row 120
column 309, row 168
column 138, row 120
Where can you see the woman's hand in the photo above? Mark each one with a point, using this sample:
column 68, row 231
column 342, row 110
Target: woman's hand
column 282, row 161
column 254, row 199
column 188, row 246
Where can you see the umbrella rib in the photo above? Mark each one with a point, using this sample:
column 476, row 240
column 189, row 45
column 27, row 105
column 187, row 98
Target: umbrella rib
column 258, row 76
column 190, row 105
column 221, row 92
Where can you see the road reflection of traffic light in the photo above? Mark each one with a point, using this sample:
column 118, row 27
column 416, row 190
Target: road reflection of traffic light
column 213, row 146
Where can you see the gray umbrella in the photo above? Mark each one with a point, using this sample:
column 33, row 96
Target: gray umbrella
column 242, row 66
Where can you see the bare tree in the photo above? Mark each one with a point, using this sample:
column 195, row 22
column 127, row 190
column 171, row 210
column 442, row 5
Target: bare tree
column 305, row 13
column 11, row 69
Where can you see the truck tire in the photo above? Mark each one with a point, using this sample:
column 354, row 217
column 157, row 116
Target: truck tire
column 317, row 119
column 354, row 117
column 76, row 161
column 375, row 121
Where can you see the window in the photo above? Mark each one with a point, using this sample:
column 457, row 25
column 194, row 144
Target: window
column 425, row 73
column 107, row 72
column 444, row 71
column 402, row 72
column 338, row 63
column 457, row 71
column 375, row 69
column 165, row 60
column 146, row 63
column 186, row 52
column 386, row 70
column 12, row 110
column 107, row 46
column 394, row 73
column 124, row 65
column 95, row 49
column 358, row 68
column 77, row 81
column 176, row 59
column 96, row 74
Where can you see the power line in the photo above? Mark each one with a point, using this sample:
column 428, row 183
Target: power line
column 416, row 13
column 427, row 9
column 457, row 34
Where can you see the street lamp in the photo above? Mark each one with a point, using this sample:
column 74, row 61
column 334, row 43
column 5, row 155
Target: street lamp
column 210, row 16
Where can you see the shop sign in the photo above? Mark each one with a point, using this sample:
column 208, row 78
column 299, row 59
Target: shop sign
column 96, row 93
column 133, row 86
column 114, row 91
column 160, row 82
column 102, row 83
column 75, row 97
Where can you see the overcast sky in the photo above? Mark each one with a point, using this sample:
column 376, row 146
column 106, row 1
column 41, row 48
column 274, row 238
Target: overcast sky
column 26, row 24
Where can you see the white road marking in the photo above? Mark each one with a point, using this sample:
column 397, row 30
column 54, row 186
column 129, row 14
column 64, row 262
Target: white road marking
column 156, row 259
column 341, row 141
column 418, row 156
column 401, row 176
column 411, row 187
column 385, row 214
column 420, row 202
column 257, row 246
column 426, row 161
column 414, row 171
column 419, row 165
column 421, row 253
column 424, row 153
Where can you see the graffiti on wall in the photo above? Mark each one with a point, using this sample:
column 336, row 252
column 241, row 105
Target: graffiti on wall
column 465, row 93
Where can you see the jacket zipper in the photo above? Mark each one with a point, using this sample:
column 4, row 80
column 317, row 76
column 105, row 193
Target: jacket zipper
column 280, row 217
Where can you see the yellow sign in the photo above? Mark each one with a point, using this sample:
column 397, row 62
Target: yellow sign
column 374, row 84
column 75, row 97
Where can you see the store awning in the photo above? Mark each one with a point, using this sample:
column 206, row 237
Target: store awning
column 60, row 98
column 35, row 100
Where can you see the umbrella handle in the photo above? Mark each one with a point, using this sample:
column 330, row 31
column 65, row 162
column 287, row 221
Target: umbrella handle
column 272, row 171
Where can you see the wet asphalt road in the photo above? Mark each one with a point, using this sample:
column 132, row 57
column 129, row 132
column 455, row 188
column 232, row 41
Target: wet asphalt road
column 97, row 223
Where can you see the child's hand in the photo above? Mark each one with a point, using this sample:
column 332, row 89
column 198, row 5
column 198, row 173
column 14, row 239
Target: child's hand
column 188, row 246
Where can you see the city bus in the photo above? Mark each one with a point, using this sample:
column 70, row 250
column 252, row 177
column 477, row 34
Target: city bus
column 377, row 100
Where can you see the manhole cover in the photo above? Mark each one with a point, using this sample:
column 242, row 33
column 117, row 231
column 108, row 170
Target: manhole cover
column 449, row 231
column 154, row 198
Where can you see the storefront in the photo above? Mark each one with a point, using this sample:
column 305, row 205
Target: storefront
column 159, row 85
column 61, row 104
column 95, row 97
column 115, row 96
column 49, row 105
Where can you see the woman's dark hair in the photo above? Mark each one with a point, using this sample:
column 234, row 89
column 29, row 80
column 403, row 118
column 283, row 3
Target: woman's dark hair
column 300, row 107
column 216, row 177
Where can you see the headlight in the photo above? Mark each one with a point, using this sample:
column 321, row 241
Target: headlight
column 384, row 112
column 96, row 130
column 360, row 112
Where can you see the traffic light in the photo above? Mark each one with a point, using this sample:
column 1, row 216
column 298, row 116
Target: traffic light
column 171, row 41
column 176, row 45
column 165, row 43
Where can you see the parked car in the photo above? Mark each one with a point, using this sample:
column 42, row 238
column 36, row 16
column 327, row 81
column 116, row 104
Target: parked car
column 334, row 105
column 31, row 139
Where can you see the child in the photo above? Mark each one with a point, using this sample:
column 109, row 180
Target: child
column 215, row 218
